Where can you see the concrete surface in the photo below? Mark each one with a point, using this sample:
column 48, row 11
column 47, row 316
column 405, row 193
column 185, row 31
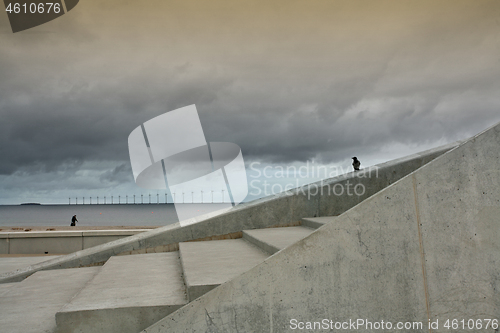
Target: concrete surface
column 128, row 294
column 9, row 264
column 272, row 240
column 281, row 209
column 30, row 306
column 424, row 248
column 4, row 245
column 5, row 288
column 47, row 245
column 209, row 264
column 59, row 241
column 91, row 241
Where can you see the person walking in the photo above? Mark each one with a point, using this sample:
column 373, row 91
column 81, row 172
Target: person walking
column 73, row 221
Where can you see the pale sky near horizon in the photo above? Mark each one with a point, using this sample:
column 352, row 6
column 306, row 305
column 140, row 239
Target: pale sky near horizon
column 289, row 81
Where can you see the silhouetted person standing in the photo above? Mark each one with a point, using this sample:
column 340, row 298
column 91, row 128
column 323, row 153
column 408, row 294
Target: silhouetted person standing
column 73, row 221
column 356, row 163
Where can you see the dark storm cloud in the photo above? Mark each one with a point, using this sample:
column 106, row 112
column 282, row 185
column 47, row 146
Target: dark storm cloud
column 85, row 122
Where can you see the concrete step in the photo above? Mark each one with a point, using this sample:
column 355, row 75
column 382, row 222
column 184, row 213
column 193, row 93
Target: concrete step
column 31, row 305
column 127, row 295
column 209, row 264
column 316, row 222
column 272, row 240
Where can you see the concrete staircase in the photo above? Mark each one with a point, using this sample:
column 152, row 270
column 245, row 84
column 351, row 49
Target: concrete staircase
column 422, row 249
column 127, row 292
column 397, row 252
column 131, row 292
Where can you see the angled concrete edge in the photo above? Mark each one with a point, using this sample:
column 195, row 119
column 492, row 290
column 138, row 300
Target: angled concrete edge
column 269, row 248
column 316, row 222
column 423, row 249
column 316, row 199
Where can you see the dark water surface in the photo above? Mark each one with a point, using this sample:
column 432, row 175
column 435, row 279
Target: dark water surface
column 94, row 215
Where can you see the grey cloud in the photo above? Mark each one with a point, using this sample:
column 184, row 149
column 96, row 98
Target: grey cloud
column 120, row 174
column 90, row 123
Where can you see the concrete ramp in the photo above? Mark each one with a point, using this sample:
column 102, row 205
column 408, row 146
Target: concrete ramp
column 425, row 249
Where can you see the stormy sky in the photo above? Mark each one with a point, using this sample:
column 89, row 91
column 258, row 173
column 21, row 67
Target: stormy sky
column 289, row 81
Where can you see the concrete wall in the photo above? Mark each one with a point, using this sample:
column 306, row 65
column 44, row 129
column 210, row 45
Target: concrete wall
column 282, row 209
column 58, row 242
column 425, row 248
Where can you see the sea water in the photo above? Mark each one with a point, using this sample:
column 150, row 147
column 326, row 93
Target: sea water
column 96, row 215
